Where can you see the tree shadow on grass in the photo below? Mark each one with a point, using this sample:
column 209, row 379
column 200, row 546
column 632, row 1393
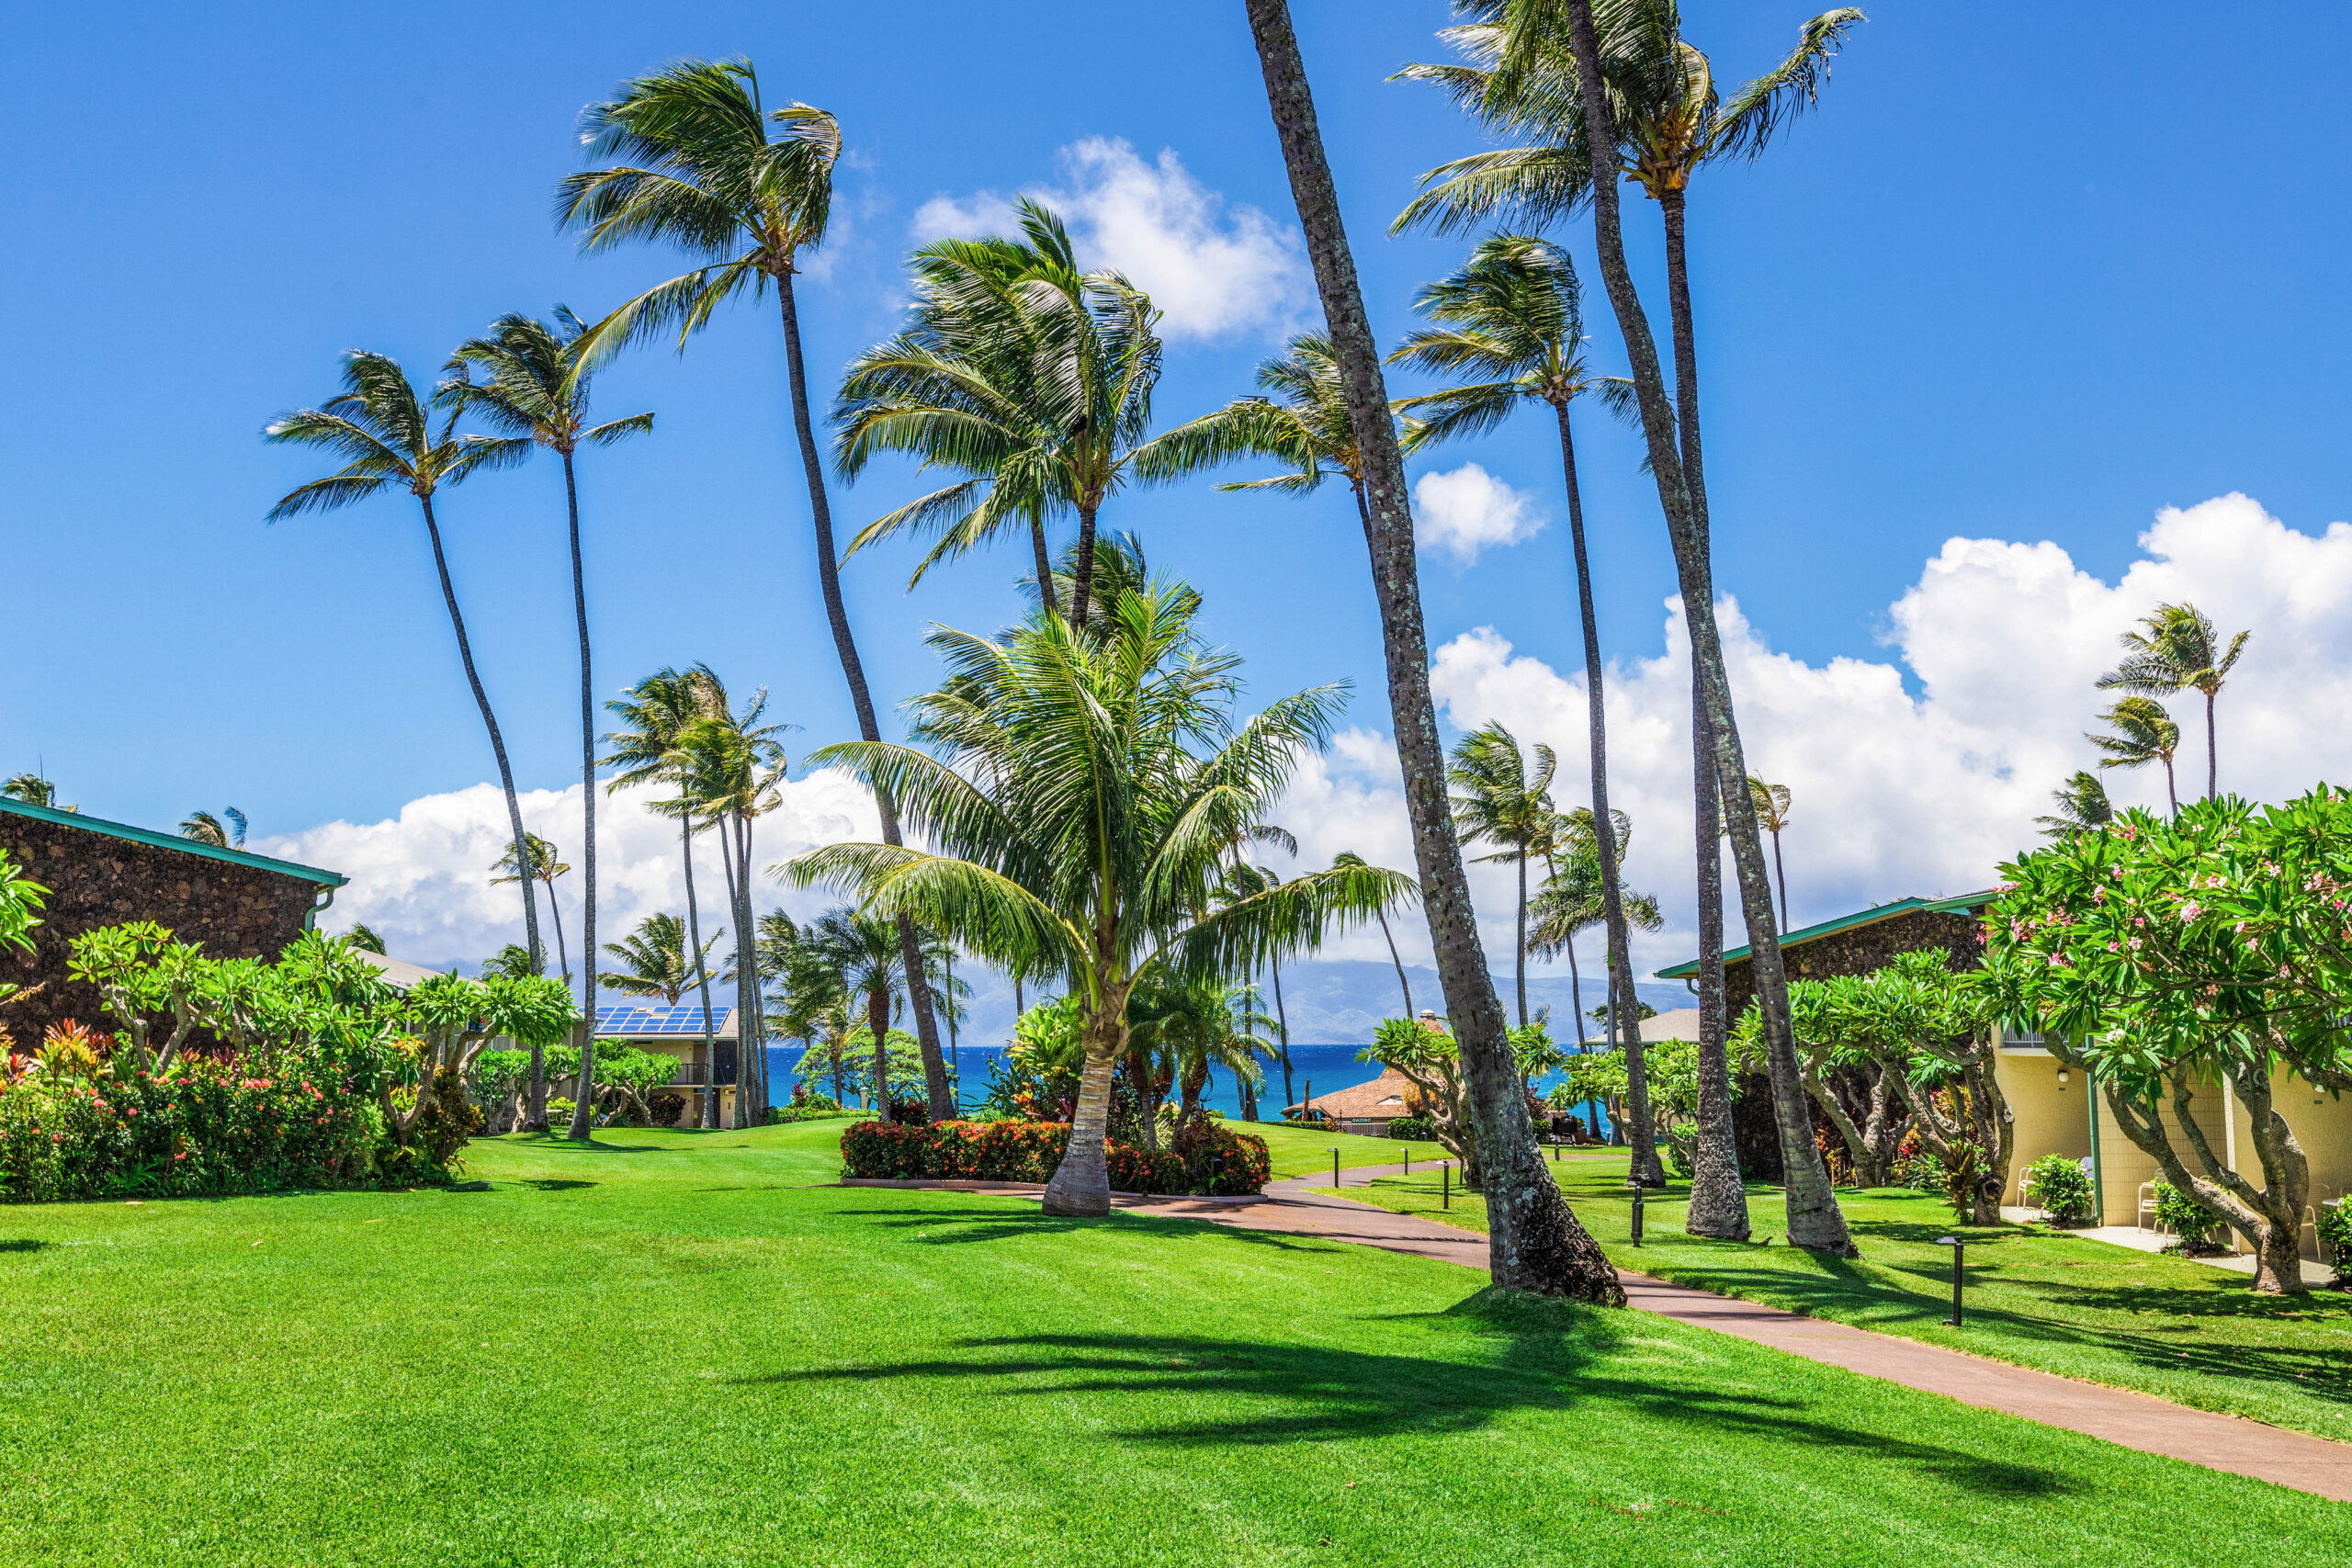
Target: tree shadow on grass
column 1541, row 1356
column 26, row 1244
column 1845, row 1291
column 954, row 1227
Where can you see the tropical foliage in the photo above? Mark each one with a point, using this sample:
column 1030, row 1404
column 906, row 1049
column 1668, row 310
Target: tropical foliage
column 1082, row 798
column 2163, row 955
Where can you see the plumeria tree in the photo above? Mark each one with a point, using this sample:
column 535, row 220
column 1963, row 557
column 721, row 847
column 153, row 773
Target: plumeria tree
column 2164, row 957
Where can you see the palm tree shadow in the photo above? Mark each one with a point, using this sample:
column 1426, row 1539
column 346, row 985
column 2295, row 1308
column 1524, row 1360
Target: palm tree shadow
column 953, row 1228
column 1535, row 1356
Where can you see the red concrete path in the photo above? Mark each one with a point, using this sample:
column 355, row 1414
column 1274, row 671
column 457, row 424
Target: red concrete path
column 2133, row 1420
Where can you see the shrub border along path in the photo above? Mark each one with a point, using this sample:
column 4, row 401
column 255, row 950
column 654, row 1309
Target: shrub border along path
column 2132, row 1420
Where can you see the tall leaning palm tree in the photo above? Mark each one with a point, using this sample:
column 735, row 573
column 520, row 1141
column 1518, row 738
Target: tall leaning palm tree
column 1084, row 797
column 380, row 427
column 1511, row 321
column 1498, row 801
column 1027, row 374
column 733, row 769
column 2139, row 732
column 654, row 715
column 1534, row 1242
column 2175, row 649
column 535, row 388
column 700, row 162
column 1645, row 64
column 1774, row 806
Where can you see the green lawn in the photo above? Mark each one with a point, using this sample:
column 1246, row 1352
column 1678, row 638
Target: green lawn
column 2181, row 1330
column 688, row 1348
column 1302, row 1151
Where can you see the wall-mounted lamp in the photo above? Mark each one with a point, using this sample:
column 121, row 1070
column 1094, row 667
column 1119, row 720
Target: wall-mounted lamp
column 2061, row 1077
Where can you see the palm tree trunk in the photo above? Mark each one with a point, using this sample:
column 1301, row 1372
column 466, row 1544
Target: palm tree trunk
column 2213, row 751
column 877, row 1023
column 1046, row 596
column 1281, row 1022
column 1718, row 1199
column 562, row 953
column 1814, row 1220
column 1604, row 826
column 2172, row 795
column 1518, row 944
column 513, row 806
column 1534, row 1242
column 587, row 762
column 702, row 976
column 828, row 580
column 1781, row 874
column 1402, row 984
column 1081, row 1182
column 1082, row 579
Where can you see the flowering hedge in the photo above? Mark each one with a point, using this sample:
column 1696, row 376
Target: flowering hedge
column 1030, row 1151
column 206, row 1129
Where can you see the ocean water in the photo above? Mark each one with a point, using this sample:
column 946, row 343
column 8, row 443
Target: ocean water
column 1325, row 1067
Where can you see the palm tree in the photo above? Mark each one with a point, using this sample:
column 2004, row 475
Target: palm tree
column 708, row 178
column 1569, row 904
column 1772, row 802
column 1498, row 802
column 2082, row 807
column 2175, row 650
column 226, row 832
column 378, row 426
column 1199, row 1026
column 865, row 956
column 1028, row 375
column 1556, row 81
column 654, row 960
column 1298, row 415
column 1511, row 318
column 733, row 770
column 1349, row 858
column 1534, row 1241
column 536, row 391
column 33, row 790
column 2143, row 733
column 365, row 938
column 544, row 868
column 654, row 714
column 1087, row 794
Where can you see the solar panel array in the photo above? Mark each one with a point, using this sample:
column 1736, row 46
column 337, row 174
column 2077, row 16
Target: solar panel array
column 656, row 1020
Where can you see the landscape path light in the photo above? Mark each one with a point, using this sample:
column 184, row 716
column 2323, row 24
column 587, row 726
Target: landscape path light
column 1636, row 1183
column 1959, row 1261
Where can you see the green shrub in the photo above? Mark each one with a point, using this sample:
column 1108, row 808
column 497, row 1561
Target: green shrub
column 2336, row 1236
column 2197, row 1226
column 1215, row 1159
column 2061, row 1189
column 1921, row 1172
column 1030, row 1151
column 1420, row 1129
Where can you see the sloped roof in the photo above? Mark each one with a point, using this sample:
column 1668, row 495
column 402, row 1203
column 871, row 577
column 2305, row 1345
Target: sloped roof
column 399, row 973
column 1378, row 1100
column 171, row 841
column 1960, row 905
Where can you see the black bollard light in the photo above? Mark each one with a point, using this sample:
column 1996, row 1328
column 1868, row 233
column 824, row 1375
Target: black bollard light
column 1958, row 1262
column 1335, row 1167
column 1635, row 1184
column 1408, row 1159
column 1445, row 1184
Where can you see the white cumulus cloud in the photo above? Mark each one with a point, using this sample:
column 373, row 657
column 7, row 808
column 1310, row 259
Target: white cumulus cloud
column 1212, row 269
column 1463, row 511
column 422, row 879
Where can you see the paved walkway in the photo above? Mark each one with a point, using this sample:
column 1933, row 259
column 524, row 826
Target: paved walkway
column 2132, row 1420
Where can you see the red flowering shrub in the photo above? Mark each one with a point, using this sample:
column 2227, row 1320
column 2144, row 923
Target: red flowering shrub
column 1030, row 1151
column 1216, row 1159
column 209, row 1127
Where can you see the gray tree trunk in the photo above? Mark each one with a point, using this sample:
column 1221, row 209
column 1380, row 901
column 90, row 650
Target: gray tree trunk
column 1718, row 1201
column 587, row 803
column 1815, row 1222
column 1534, row 1242
column 702, row 974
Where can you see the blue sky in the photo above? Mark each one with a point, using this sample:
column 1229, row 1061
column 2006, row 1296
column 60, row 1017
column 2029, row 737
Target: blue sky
column 2028, row 274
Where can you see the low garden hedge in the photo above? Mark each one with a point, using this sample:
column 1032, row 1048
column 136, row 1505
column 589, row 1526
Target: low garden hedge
column 1208, row 1157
